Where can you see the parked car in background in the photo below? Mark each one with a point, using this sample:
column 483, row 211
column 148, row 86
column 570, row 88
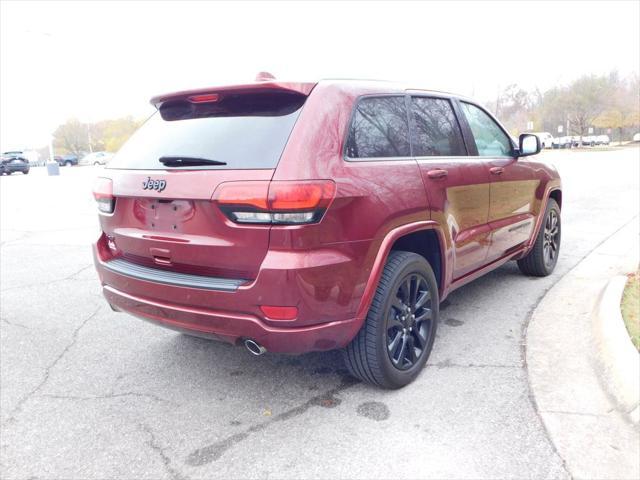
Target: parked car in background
column 297, row 217
column 30, row 156
column 603, row 140
column 11, row 162
column 562, row 142
column 13, row 154
column 588, row 141
column 66, row 160
column 96, row 158
column 546, row 139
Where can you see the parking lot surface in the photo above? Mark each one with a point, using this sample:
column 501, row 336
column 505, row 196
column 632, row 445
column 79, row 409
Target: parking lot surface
column 89, row 393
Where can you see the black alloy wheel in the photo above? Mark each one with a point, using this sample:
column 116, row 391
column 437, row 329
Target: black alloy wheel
column 409, row 322
column 543, row 256
column 551, row 239
column 397, row 336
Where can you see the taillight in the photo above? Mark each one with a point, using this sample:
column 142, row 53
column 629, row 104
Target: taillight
column 278, row 202
column 103, row 193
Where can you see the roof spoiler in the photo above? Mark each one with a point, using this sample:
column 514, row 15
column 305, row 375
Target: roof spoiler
column 212, row 94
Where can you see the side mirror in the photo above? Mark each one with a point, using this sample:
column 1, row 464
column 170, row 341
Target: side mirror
column 528, row 145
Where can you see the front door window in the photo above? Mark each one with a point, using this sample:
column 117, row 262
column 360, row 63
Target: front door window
column 491, row 141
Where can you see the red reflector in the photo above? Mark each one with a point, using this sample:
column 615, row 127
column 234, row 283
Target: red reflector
column 288, row 196
column 204, row 98
column 279, row 313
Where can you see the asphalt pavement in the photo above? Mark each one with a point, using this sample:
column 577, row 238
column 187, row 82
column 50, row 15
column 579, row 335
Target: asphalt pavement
column 89, row 393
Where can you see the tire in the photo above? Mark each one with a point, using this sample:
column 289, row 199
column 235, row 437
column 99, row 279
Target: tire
column 95, row 164
column 369, row 355
column 25, row 172
column 538, row 262
column 67, row 164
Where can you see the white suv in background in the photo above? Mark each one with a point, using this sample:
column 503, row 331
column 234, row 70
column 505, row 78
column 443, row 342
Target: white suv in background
column 96, row 158
column 546, row 139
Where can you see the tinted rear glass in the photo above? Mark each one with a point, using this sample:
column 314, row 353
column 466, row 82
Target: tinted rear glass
column 243, row 132
column 379, row 129
column 435, row 128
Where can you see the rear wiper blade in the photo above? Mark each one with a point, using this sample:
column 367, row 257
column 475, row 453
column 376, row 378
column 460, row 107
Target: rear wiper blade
column 180, row 161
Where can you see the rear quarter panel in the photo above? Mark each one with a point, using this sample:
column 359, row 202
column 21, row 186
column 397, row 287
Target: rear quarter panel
column 372, row 197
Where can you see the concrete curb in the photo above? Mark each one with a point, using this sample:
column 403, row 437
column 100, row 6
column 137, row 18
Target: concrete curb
column 565, row 366
column 618, row 359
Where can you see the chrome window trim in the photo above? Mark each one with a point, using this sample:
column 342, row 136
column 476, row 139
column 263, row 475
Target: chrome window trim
column 378, row 159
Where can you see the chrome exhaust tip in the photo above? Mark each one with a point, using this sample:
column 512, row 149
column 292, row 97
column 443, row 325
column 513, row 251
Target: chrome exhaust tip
column 254, row 347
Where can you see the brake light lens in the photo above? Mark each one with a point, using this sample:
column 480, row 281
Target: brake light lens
column 278, row 202
column 248, row 194
column 103, row 193
column 204, row 98
column 294, row 196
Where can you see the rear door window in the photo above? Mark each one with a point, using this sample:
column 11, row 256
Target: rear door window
column 490, row 139
column 379, row 129
column 246, row 131
column 435, row 130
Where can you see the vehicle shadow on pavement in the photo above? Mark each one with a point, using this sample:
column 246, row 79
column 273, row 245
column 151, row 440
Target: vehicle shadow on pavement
column 315, row 363
column 220, row 364
column 224, row 363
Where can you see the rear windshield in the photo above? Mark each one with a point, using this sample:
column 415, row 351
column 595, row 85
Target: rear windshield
column 239, row 132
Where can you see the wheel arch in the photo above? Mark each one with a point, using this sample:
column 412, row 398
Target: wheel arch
column 407, row 238
column 556, row 194
column 425, row 243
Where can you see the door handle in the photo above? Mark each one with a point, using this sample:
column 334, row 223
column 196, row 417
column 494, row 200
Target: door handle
column 437, row 173
column 496, row 170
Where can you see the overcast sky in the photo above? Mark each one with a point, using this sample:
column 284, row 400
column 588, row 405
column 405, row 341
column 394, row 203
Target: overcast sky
column 94, row 60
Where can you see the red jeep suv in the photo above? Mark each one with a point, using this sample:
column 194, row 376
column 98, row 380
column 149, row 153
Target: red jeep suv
column 292, row 217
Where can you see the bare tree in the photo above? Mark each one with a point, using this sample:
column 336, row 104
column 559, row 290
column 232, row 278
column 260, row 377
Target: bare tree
column 587, row 98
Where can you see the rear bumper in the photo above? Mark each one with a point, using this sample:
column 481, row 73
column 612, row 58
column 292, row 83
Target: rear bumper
column 325, row 296
column 233, row 328
column 14, row 168
column 176, row 279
